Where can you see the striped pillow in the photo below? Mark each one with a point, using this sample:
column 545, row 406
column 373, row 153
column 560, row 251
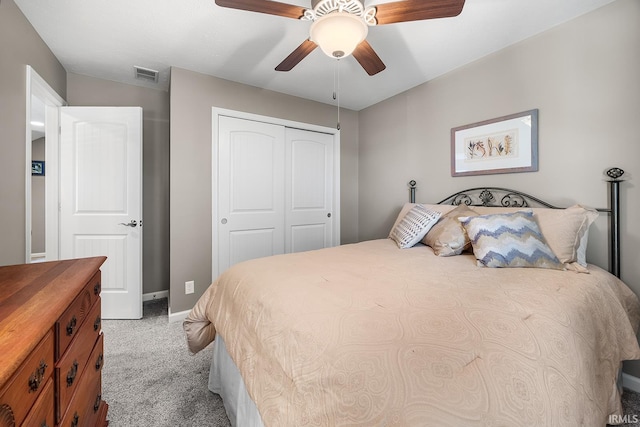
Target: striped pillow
column 509, row 240
column 413, row 226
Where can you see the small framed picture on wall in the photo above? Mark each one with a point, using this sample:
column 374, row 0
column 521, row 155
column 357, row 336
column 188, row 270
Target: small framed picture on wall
column 37, row 168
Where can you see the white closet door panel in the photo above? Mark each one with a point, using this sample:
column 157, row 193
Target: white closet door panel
column 309, row 190
column 309, row 169
column 250, row 197
column 308, row 237
column 249, row 244
column 252, row 172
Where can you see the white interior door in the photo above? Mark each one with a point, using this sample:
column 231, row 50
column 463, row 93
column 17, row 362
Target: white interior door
column 309, row 190
column 250, row 208
column 101, row 199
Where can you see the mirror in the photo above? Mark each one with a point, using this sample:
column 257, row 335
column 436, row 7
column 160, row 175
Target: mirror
column 41, row 156
column 38, row 176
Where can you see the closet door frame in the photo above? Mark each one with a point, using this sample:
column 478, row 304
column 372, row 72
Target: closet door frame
column 216, row 113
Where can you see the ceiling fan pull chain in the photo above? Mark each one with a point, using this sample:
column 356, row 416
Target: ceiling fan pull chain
column 335, row 96
column 336, row 87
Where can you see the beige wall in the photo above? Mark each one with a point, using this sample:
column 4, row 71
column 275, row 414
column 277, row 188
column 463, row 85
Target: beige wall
column 90, row 91
column 583, row 76
column 20, row 46
column 192, row 96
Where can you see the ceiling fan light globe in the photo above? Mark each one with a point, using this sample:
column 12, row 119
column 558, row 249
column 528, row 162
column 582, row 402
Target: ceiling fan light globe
column 338, row 33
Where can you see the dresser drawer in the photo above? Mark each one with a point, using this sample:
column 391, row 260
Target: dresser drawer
column 96, row 359
column 92, row 411
column 86, row 402
column 97, row 411
column 68, row 324
column 42, row 413
column 26, row 384
column 76, row 360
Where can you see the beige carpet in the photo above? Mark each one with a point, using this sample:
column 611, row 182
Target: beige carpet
column 149, row 377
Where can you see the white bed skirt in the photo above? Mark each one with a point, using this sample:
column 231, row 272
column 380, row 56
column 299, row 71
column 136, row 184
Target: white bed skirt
column 225, row 380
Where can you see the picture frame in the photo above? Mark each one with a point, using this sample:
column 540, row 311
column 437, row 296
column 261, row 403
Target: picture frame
column 37, row 168
column 507, row 144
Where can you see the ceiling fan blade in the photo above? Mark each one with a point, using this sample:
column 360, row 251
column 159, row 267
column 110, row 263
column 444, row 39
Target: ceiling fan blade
column 296, row 56
column 264, row 6
column 368, row 58
column 417, row 10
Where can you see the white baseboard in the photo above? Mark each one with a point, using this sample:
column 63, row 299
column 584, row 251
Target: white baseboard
column 173, row 317
column 39, row 257
column 179, row 316
column 155, row 295
column 631, row 382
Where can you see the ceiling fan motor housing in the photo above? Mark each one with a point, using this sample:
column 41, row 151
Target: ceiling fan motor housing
column 314, row 3
column 320, row 8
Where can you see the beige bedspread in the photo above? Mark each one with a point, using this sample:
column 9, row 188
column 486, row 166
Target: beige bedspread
column 372, row 335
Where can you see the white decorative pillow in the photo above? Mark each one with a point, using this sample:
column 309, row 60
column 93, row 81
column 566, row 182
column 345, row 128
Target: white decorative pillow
column 413, row 226
column 443, row 209
column 509, row 240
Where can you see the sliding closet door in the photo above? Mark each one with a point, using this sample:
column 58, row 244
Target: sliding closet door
column 251, row 174
column 275, row 188
column 309, row 216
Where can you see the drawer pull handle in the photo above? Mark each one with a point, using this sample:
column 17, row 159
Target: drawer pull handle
column 44, row 424
column 7, row 416
column 96, row 324
column 71, row 376
column 96, row 289
column 96, row 405
column 71, row 325
column 36, row 378
column 74, row 421
column 99, row 362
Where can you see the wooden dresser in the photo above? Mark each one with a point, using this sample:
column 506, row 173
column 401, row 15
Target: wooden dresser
column 51, row 344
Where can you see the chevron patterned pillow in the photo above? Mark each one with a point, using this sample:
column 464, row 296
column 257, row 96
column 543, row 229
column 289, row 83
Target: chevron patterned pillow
column 509, row 240
column 413, row 226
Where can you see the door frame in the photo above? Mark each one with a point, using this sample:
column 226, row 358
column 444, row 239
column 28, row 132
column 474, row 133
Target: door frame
column 37, row 86
column 215, row 114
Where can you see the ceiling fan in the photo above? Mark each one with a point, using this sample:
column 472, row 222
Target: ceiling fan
column 340, row 27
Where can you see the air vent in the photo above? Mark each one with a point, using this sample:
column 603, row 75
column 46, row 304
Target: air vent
column 146, row 74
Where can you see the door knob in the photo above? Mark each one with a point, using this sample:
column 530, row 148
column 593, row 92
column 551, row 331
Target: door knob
column 131, row 223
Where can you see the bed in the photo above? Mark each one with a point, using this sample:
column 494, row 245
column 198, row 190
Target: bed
column 370, row 334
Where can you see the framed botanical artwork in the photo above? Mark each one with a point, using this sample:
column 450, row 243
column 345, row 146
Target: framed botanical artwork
column 37, row 168
column 506, row 144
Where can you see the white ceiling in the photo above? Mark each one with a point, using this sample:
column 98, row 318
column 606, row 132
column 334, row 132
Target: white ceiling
column 106, row 39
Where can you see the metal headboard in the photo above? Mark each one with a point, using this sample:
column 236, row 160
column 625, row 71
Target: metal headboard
column 504, row 197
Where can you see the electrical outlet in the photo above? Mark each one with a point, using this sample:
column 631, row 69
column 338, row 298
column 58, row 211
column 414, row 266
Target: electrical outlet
column 189, row 287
